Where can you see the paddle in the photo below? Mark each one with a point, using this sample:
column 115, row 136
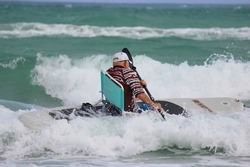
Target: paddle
column 131, row 65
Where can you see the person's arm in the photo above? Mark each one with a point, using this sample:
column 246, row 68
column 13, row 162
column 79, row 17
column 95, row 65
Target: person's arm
column 137, row 88
column 143, row 97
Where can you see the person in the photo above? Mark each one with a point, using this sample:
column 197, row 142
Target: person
column 133, row 87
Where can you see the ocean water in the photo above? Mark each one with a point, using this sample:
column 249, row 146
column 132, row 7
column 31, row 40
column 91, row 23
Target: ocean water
column 52, row 54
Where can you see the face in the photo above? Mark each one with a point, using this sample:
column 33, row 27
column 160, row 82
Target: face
column 126, row 64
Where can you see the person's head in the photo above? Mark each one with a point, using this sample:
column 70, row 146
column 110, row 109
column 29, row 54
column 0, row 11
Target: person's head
column 121, row 59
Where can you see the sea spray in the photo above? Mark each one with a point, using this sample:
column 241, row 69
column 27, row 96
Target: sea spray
column 72, row 81
column 12, row 64
column 220, row 133
column 77, row 80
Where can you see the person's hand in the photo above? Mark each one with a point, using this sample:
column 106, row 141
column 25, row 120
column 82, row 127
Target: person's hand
column 143, row 83
column 157, row 106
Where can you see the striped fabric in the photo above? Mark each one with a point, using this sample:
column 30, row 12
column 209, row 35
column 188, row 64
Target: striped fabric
column 131, row 83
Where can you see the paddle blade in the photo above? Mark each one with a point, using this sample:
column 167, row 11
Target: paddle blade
column 171, row 108
column 162, row 115
column 125, row 50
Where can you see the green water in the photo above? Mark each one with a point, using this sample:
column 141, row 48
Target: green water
column 174, row 49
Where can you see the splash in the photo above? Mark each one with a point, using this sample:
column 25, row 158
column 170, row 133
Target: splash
column 10, row 128
column 223, row 133
column 70, row 78
column 77, row 80
column 13, row 63
column 128, row 136
column 27, row 30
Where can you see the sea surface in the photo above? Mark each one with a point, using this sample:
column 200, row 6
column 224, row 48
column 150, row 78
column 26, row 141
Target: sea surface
column 52, row 54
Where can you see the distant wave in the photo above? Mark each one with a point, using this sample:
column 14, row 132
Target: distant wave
column 27, row 30
column 13, row 63
column 15, row 105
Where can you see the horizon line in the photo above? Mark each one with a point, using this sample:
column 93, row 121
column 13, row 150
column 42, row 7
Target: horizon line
column 78, row 2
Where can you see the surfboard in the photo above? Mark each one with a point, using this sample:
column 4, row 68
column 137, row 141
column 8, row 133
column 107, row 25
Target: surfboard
column 36, row 119
column 217, row 104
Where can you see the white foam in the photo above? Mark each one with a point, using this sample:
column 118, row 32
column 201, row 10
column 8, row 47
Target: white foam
column 26, row 30
column 13, row 63
column 125, row 136
column 121, row 136
column 220, row 78
column 77, row 80
column 7, row 115
column 10, row 128
column 72, row 81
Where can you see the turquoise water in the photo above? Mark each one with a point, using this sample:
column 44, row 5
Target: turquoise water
column 167, row 33
column 51, row 55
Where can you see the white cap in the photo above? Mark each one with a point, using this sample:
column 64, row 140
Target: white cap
column 120, row 56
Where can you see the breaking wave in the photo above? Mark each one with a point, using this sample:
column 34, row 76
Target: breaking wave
column 125, row 136
column 27, row 30
column 77, row 80
column 13, row 63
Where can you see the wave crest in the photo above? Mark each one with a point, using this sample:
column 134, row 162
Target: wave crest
column 77, row 80
column 27, row 30
column 13, row 63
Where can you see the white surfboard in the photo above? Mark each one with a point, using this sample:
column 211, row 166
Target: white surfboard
column 38, row 119
column 218, row 104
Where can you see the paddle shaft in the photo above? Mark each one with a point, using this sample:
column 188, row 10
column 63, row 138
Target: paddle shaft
column 146, row 89
column 144, row 86
column 125, row 50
